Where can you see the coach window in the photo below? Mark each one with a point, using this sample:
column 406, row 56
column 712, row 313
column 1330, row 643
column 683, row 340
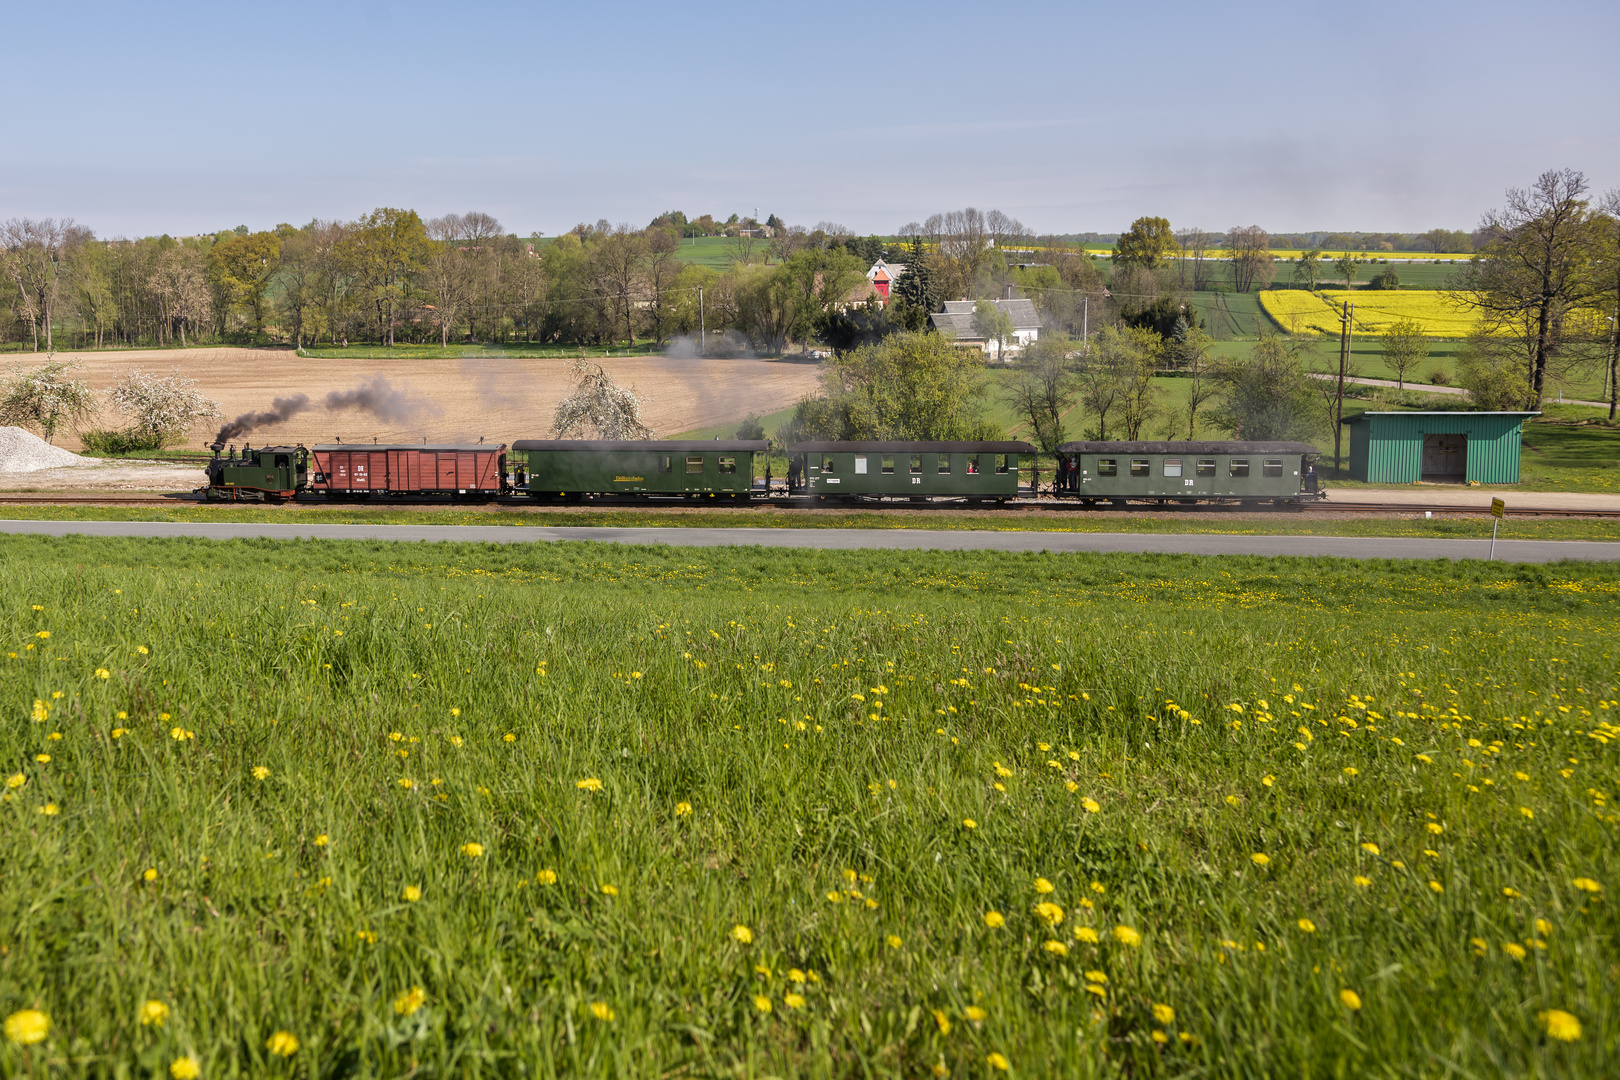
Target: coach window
column 1172, row 466
column 1001, row 464
column 1238, row 466
column 1272, row 467
column 826, row 463
column 283, row 461
column 666, row 463
column 916, row 464
column 886, row 464
column 1141, row 466
column 694, row 465
column 860, row 464
column 728, row 465
column 973, row 464
column 1107, row 466
column 1206, row 466
column 944, row 464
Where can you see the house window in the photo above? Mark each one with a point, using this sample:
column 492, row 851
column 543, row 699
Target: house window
column 860, row 464
column 944, row 464
column 1238, row 466
column 1172, row 466
column 694, row 465
column 1107, row 466
column 1206, row 466
column 728, row 465
column 1141, row 466
column 887, row 464
column 666, row 463
column 1272, row 467
column 826, row 463
column 973, row 464
column 916, row 464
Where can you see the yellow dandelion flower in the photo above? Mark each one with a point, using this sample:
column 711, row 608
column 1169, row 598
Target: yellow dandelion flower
column 1527, row 812
column 793, row 1001
column 969, row 823
column 472, row 849
column 153, row 1012
column 282, row 1044
column 994, row 920
column 1097, row 977
column 835, row 897
column 185, row 1068
column 1127, row 936
column 603, row 1012
column 997, row 1061
column 1514, row 949
column 260, row 772
column 1164, row 1014
column 1481, row 946
column 411, row 894
column 43, row 759
column 610, row 890
column 942, row 1022
column 683, row 809
column 27, row 1026
column 1090, row 805
column 590, row 783
column 742, row 934
column 1350, row 999
column 406, row 782
column 1049, row 913
column 410, row 1001
column 1560, row 1025
column 103, row 673
column 1056, row 948
column 1435, row 886
column 1511, row 893
column 974, row 1013
column 149, row 874
column 546, row 877
column 762, row 1003
column 1435, row 827
column 1362, row 881
column 1351, row 770
column 1070, row 786
column 893, row 941
column 1586, row 884
column 1543, row 927
column 1268, row 781
column 1260, row 858
column 322, row 840
column 1042, row 885
column 1086, row 934
column 1369, row 848
column 1307, row 926
column 16, row 780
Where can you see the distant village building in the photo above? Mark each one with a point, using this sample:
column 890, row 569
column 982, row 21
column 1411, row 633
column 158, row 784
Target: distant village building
column 956, row 321
column 883, row 275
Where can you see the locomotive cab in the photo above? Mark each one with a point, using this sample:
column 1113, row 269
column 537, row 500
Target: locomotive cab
column 268, row 474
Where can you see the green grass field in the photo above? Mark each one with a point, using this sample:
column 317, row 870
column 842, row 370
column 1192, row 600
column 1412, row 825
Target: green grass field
column 347, row 809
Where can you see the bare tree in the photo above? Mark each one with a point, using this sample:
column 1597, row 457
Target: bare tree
column 447, row 272
column 663, row 267
column 1044, row 388
column 1535, row 267
column 34, row 253
column 963, row 242
column 1607, row 276
column 1250, row 251
column 618, row 273
column 182, row 282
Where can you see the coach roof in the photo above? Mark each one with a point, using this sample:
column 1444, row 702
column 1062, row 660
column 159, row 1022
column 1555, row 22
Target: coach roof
column 1187, row 448
column 1002, row 447
column 655, row 446
column 442, row 448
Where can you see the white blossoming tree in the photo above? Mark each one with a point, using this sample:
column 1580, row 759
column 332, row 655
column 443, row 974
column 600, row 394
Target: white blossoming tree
column 599, row 408
column 162, row 408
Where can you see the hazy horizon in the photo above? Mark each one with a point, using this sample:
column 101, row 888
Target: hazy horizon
column 1071, row 117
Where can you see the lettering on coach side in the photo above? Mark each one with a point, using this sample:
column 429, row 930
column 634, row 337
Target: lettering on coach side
column 627, row 479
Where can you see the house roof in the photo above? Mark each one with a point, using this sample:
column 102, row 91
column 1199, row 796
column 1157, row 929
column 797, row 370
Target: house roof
column 957, row 318
column 894, row 270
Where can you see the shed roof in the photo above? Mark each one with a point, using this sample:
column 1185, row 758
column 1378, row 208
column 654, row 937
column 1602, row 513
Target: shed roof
column 653, row 445
column 1001, row 447
column 1187, row 448
column 1359, row 417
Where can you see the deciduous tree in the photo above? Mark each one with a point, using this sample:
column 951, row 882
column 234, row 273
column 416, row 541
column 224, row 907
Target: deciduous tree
column 1147, row 243
column 1268, row 396
column 1405, row 348
column 46, row 397
column 1250, row 252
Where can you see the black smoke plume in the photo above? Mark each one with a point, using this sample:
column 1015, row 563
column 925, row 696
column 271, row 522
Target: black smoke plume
column 381, row 399
column 281, row 410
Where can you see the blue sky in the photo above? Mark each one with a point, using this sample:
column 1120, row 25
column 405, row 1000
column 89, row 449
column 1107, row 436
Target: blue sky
column 180, row 117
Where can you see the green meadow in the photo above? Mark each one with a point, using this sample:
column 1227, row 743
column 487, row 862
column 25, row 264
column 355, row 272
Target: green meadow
column 372, row 809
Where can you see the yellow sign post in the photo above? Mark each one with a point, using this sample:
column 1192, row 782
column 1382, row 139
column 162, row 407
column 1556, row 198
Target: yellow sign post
column 1498, row 509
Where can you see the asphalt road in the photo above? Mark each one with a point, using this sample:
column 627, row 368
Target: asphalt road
column 1351, row 547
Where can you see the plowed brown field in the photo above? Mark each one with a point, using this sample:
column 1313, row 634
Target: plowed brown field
column 454, row 399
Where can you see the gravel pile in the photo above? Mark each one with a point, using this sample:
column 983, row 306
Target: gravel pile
column 23, row 451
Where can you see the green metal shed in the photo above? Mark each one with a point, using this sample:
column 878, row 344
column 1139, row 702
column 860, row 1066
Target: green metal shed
column 1405, row 447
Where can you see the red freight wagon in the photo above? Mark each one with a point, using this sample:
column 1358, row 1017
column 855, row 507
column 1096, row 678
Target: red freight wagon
column 344, row 470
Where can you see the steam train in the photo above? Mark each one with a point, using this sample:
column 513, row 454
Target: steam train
column 553, row 470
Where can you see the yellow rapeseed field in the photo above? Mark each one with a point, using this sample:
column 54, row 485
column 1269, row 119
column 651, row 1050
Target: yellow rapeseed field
column 1300, row 312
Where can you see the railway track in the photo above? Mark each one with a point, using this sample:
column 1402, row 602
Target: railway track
column 159, row 501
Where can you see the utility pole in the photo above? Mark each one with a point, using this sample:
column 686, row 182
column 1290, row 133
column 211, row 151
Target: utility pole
column 1338, row 401
column 703, row 329
column 1085, row 323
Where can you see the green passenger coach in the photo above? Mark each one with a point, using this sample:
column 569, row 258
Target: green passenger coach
column 573, row 468
column 1189, row 471
column 966, row 470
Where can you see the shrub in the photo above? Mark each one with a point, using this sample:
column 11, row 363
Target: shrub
column 1389, row 279
column 1440, row 377
column 133, row 440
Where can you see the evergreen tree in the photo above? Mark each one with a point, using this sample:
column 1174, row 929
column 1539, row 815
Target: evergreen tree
column 916, row 286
